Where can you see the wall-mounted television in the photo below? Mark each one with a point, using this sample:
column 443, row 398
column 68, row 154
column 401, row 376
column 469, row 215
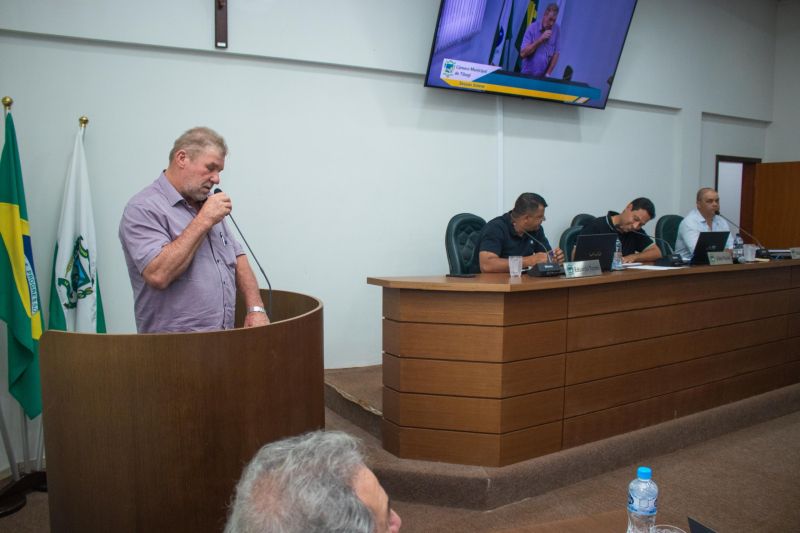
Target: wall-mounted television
column 563, row 51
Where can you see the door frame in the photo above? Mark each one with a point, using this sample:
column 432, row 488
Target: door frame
column 748, row 201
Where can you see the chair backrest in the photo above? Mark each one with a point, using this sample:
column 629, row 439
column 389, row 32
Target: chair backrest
column 461, row 239
column 581, row 220
column 667, row 229
column 568, row 240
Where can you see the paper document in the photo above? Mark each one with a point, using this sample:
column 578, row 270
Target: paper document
column 650, row 267
column 628, row 265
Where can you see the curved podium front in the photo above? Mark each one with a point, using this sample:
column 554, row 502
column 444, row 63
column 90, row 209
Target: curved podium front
column 149, row 433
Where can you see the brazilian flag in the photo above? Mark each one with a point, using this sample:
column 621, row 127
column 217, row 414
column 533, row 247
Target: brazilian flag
column 20, row 308
column 530, row 16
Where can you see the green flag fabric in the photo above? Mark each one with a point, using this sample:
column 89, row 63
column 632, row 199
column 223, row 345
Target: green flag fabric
column 20, row 308
column 75, row 303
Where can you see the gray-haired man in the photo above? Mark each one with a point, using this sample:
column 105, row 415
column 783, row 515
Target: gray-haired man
column 314, row 483
column 185, row 265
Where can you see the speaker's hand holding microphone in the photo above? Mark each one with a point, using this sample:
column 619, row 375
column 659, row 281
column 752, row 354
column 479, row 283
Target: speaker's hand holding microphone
column 216, row 207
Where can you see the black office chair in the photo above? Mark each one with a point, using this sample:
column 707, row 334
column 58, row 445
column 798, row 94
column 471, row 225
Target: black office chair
column 667, row 229
column 460, row 241
column 582, row 220
column 568, row 240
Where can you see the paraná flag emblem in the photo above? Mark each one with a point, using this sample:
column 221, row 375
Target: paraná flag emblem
column 20, row 308
column 75, row 303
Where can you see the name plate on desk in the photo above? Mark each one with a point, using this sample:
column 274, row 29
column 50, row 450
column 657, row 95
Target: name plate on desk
column 720, row 258
column 795, row 253
column 582, row 269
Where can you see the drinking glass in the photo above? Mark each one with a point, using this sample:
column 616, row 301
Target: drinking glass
column 515, row 266
column 750, row 252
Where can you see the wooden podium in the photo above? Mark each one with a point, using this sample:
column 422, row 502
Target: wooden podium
column 150, row 433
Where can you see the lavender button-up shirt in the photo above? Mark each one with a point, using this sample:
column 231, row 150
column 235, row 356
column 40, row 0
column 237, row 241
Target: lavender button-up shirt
column 537, row 63
column 204, row 297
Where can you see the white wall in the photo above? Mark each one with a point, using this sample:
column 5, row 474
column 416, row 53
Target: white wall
column 729, row 136
column 341, row 172
column 783, row 140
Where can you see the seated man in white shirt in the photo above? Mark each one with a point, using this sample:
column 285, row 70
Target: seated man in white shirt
column 704, row 218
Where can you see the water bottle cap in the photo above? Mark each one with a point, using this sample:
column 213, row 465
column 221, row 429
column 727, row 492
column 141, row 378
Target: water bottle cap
column 644, row 473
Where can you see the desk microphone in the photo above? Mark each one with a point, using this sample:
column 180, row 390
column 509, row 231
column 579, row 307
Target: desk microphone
column 539, row 243
column 672, row 259
column 541, row 270
column 765, row 252
column 269, row 315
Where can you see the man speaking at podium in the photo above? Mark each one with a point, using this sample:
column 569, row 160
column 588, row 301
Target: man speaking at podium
column 185, row 265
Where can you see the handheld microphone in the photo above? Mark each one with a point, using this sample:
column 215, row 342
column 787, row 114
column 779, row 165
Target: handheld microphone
column 269, row 315
column 671, row 259
column 763, row 254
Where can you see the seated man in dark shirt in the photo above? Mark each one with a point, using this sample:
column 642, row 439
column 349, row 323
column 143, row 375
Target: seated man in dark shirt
column 517, row 233
column 637, row 246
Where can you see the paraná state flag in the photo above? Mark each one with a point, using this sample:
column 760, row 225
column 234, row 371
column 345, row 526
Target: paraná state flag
column 20, row 308
column 75, row 303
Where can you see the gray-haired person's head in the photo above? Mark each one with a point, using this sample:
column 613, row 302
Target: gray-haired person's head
column 196, row 141
column 302, row 485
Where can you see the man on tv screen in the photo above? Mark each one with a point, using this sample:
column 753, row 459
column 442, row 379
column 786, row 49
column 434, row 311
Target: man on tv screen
column 541, row 45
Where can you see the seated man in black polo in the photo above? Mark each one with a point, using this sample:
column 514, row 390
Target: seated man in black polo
column 637, row 246
column 515, row 234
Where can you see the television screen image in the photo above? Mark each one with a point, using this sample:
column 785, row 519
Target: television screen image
column 558, row 50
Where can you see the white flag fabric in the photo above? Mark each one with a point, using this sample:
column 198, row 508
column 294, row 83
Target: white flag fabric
column 75, row 302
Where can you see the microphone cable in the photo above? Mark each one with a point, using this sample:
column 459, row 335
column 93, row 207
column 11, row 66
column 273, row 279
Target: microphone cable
column 269, row 314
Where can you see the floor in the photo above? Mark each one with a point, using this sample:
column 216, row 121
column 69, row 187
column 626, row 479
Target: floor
column 747, row 481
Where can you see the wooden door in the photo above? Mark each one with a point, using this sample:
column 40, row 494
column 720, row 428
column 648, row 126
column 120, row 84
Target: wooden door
column 776, row 211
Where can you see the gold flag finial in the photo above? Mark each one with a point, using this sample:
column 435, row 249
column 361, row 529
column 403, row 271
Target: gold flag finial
column 7, row 101
column 83, row 121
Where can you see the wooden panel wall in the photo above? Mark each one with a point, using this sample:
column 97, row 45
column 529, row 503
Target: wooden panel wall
column 776, row 219
column 493, row 378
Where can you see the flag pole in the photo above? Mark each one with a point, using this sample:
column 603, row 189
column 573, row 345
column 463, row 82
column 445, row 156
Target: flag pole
column 83, row 121
column 7, row 102
column 10, row 501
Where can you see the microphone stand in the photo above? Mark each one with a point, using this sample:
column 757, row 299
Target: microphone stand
column 764, row 251
column 672, row 259
column 540, row 270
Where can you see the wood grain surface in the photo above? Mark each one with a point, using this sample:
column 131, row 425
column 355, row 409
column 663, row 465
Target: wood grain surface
column 467, row 360
column 480, row 449
column 489, row 344
column 478, row 380
column 660, row 292
column 776, row 220
column 607, row 423
column 474, row 308
column 616, row 328
column 619, row 390
column 619, row 359
column 149, row 433
column 503, row 283
column 479, row 415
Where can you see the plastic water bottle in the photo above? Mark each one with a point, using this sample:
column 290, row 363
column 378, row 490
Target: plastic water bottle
column 738, row 248
column 642, row 502
column 616, row 264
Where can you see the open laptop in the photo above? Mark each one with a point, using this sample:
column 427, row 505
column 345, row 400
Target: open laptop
column 709, row 241
column 600, row 247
